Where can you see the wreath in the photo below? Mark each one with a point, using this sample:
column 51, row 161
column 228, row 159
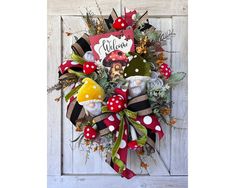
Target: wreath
column 118, row 86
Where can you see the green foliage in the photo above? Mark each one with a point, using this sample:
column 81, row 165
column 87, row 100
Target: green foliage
column 175, row 78
column 153, row 36
column 102, row 78
column 108, row 85
column 159, row 97
column 138, row 34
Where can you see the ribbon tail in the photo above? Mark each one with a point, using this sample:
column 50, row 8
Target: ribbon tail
column 118, row 157
column 127, row 173
column 115, row 158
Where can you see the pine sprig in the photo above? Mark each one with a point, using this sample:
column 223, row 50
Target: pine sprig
column 166, row 35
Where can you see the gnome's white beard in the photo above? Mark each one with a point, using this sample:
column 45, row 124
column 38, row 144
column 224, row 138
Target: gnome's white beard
column 135, row 91
column 137, row 85
column 95, row 110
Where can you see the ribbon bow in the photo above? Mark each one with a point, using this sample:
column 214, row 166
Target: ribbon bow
column 137, row 115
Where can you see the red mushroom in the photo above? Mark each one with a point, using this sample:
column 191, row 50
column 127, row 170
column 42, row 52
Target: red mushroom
column 165, row 70
column 120, row 23
column 116, row 60
column 89, row 132
column 89, row 67
column 116, row 103
column 130, row 16
column 69, row 64
column 115, row 56
column 133, row 145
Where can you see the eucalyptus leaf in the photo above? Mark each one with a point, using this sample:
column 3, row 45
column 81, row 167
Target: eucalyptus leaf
column 153, row 36
column 176, row 77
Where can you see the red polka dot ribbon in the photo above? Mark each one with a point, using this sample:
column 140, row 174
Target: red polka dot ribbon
column 119, row 123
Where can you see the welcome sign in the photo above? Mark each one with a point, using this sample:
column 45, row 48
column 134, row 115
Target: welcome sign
column 104, row 44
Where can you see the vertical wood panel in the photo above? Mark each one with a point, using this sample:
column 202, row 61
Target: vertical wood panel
column 179, row 157
column 68, row 146
column 180, row 63
column 164, row 146
column 54, row 108
column 179, row 96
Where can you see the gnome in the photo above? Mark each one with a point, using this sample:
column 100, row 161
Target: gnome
column 91, row 96
column 137, row 73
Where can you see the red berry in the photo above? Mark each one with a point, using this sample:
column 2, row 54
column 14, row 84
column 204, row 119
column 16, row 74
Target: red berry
column 133, row 145
column 120, row 23
column 116, row 103
column 89, row 67
column 89, row 133
column 165, row 70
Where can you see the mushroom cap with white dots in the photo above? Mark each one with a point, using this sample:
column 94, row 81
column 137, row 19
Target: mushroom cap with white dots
column 138, row 66
column 90, row 91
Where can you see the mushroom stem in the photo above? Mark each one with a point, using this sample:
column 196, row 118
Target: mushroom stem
column 133, row 133
column 94, row 127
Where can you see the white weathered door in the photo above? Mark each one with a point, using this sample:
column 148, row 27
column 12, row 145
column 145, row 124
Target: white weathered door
column 66, row 162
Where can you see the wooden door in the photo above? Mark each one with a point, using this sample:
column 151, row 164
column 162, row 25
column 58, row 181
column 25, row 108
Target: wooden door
column 66, row 162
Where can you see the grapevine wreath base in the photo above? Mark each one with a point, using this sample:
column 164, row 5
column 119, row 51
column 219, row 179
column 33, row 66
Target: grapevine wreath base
column 119, row 86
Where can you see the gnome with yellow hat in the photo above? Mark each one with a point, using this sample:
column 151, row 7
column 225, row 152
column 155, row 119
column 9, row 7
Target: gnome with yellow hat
column 91, row 96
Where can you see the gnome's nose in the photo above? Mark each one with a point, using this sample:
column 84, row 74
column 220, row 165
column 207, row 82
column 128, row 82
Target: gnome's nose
column 138, row 82
column 92, row 105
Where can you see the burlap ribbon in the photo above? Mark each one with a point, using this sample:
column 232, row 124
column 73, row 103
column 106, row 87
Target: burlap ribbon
column 82, row 45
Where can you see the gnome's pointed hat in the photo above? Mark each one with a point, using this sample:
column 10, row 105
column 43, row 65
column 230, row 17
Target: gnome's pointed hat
column 90, row 91
column 137, row 67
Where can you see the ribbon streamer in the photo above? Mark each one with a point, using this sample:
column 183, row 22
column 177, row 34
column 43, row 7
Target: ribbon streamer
column 112, row 17
column 75, row 111
column 82, row 45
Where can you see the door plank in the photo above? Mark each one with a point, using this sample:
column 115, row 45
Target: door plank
column 54, row 108
column 117, row 182
column 75, row 7
column 158, row 7
column 179, row 152
column 180, row 63
column 164, row 146
column 68, row 128
column 179, row 142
